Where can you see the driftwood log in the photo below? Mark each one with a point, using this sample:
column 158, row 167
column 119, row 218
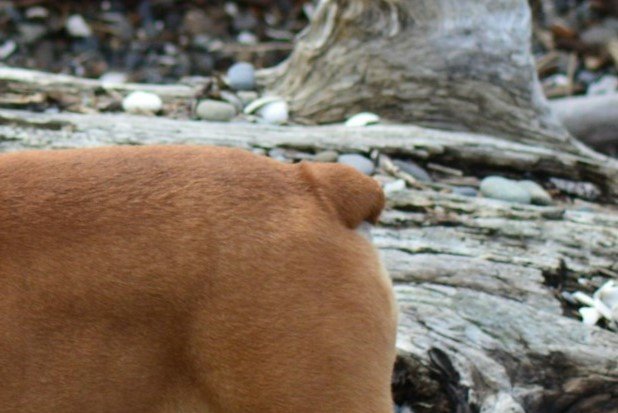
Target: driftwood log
column 482, row 324
column 450, row 64
column 26, row 89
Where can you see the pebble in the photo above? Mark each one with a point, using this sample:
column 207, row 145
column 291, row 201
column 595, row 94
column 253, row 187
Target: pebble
column 232, row 99
column 605, row 85
column 144, row 103
column 363, row 119
column 278, row 154
column 215, row 110
column 247, row 38
column 31, row 32
column 274, row 113
column 77, row 27
column 538, row 195
column 113, row 78
column 37, row 12
column 358, row 162
column 465, row 191
column 247, row 96
column 7, row 49
column 413, row 169
column 496, row 187
column 326, row 156
column 241, row 76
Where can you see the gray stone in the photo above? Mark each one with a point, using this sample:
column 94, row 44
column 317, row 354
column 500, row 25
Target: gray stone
column 241, row 76
column 357, row 162
column 411, row 168
column 538, row 195
column 465, row 191
column 215, row 110
column 278, row 154
column 31, row 32
column 326, row 156
column 232, row 99
column 247, row 96
column 504, row 189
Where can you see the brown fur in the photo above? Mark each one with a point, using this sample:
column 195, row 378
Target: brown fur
column 189, row 279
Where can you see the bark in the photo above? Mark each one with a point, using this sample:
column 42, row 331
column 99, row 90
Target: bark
column 482, row 326
column 449, row 64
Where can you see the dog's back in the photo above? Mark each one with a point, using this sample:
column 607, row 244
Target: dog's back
column 186, row 279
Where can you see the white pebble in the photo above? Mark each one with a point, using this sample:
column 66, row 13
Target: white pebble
column 270, row 109
column 144, row 103
column 363, row 119
column 77, row 26
column 274, row 113
column 113, row 78
column 247, row 38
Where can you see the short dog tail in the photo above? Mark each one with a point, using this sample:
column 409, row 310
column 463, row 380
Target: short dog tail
column 352, row 196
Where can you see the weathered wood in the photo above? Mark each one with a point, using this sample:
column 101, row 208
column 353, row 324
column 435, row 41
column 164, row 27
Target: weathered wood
column 20, row 130
column 26, row 88
column 448, row 64
column 476, row 278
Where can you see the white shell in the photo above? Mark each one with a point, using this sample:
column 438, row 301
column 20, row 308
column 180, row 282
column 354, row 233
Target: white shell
column 142, row 103
column 590, row 316
column 77, row 26
column 608, row 294
column 363, row 119
column 583, row 298
column 606, row 299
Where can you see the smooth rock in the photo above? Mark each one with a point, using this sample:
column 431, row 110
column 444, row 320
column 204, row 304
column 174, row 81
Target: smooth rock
column 326, row 156
column 113, row 78
column 241, row 76
column 496, row 187
column 274, row 113
column 411, row 168
column 358, row 162
column 246, row 38
column 465, row 191
column 538, row 195
column 37, row 12
column 278, row 154
column 232, row 99
column 7, row 49
column 31, row 32
column 144, row 103
column 77, row 27
column 247, row 96
column 605, row 85
column 215, row 110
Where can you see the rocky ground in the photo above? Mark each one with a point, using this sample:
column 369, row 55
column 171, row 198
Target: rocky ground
column 152, row 41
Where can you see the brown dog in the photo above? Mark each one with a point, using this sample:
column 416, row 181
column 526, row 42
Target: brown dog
column 189, row 279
